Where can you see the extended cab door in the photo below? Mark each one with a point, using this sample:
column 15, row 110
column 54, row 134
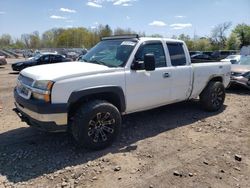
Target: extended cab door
column 147, row 89
column 181, row 71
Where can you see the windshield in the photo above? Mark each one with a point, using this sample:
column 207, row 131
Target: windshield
column 245, row 60
column 111, row 53
column 37, row 57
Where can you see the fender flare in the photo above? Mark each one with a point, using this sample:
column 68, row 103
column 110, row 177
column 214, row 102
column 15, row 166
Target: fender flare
column 116, row 90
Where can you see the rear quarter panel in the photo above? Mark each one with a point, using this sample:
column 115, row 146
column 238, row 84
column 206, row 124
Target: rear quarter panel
column 204, row 72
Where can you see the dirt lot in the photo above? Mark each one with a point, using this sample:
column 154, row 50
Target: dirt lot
column 174, row 146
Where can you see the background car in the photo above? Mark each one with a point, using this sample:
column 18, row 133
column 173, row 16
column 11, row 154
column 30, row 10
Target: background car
column 198, row 58
column 232, row 57
column 40, row 59
column 240, row 73
column 221, row 54
column 3, row 60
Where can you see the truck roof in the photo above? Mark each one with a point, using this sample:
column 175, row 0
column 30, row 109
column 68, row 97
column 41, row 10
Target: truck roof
column 162, row 39
column 137, row 37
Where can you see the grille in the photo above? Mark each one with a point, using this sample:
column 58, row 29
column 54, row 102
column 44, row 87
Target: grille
column 25, row 80
column 22, row 86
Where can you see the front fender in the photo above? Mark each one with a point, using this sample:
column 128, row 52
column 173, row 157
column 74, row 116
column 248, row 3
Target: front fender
column 104, row 90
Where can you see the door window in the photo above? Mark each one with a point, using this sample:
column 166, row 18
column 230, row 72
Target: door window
column 152, row 48
column 56, row 58
column 177, row 54
column 45, row 59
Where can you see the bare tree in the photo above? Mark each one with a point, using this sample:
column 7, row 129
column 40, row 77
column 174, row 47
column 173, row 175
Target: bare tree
column 26, row 40
column 218, row 36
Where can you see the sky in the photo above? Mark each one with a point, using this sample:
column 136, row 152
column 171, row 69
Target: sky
column 164, row 17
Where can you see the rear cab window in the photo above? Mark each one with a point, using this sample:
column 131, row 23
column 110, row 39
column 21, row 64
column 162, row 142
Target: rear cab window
column 177, row 54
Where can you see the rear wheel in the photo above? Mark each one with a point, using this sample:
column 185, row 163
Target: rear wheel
column 96, row 124
column 213, row 96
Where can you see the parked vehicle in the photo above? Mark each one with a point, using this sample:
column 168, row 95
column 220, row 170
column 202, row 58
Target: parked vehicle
column 40, row 59
column 194, row 52
column 3, row 60
column 198, row 58
column 120, row 75
column 240, row 73
column 235, row 59
column 221, row 54
column 208, row 53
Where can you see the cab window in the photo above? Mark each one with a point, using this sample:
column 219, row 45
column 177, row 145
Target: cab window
column 177, row 54
column 152, row 48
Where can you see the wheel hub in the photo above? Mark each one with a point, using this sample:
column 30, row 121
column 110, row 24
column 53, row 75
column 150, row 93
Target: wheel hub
column 217, row 97
column 101, row 127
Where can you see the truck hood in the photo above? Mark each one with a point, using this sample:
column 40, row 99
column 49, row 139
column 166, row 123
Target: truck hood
column 60, row 71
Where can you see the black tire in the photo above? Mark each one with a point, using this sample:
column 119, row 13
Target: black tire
column 96, row 124
column 213, row 96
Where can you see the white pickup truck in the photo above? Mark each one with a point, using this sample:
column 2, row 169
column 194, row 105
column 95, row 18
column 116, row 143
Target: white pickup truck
column 120, row 75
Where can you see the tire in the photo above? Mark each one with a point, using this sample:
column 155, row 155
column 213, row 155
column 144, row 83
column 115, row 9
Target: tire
column 96, row 124
column 213, row 96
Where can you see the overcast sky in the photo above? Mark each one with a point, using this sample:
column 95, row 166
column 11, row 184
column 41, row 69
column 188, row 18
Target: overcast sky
column 165, row 17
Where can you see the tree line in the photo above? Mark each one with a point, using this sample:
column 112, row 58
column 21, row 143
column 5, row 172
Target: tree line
column 86, row 38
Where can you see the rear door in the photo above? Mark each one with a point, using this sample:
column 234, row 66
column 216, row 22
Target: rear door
column 55, row 58
column 181, row 71
column 147, row 89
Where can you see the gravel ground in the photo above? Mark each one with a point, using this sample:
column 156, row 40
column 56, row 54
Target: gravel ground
column 173, row 146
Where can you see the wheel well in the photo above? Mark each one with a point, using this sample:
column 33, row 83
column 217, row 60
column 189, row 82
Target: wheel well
column 216, row 79
column 107, row 96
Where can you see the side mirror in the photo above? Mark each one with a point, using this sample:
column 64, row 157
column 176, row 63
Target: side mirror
column 233, row 61
column 149, row 62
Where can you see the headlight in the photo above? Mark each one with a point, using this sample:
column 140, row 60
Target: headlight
column 41, row 90
column 43, row 85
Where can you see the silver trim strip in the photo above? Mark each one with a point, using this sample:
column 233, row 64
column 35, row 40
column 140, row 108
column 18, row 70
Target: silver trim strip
column 59, row 118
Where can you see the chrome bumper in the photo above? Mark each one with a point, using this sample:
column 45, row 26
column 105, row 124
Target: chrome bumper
column 58, row 118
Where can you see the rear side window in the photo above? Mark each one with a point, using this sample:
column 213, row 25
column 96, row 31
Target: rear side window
column 58, row 58
column 177, row 54
column 152, row 48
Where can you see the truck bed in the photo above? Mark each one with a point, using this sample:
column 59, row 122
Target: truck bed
column 203, row 72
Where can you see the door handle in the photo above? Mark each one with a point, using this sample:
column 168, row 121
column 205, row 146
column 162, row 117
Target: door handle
column 166, row 75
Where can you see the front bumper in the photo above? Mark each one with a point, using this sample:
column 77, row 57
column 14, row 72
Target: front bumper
column 44, row 116
column 16, row 68
column 240, row 80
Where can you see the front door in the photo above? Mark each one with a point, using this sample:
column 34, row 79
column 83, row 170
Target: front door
column 148, row 89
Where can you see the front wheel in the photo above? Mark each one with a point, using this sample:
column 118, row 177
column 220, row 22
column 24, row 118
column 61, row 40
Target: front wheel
column 213, row 96
column 96, row 124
